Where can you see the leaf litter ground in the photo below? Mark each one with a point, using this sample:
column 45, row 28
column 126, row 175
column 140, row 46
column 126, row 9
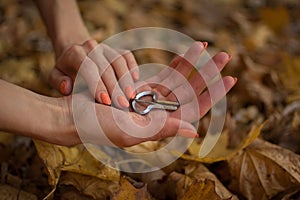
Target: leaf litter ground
column 263, row 39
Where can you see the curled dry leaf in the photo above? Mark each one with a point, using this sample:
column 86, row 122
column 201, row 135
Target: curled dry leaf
column 276, row 18
column 128, row 191
column 220, row 151
column 10, row 193
column 75, row 159
column 263, row 170
column 90, row 186
column 199, row 183
column 290, row 77
column 283, row 128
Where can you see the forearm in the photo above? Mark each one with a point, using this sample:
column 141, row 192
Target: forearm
column 32, row 115
column 64, row 23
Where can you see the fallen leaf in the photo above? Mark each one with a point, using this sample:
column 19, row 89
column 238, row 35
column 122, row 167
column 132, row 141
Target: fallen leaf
column 90, row 186
column 283, row 128
column 74, row 159
column 199, row 183
column 6, row 138
column 10, row 193
column 220, row 151
column 263, row 170
column 128, row 191
column 289, row 76
column 276, row 18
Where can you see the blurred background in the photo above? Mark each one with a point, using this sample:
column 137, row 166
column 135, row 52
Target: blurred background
column 263, row 37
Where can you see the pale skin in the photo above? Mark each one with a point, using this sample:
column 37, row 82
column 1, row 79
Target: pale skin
column 72, row 44
column 51, row 119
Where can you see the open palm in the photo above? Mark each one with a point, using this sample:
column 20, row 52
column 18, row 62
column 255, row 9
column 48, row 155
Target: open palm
column 179, row 82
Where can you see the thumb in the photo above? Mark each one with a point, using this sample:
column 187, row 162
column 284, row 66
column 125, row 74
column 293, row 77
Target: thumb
column 175, row 126
column 60, row 81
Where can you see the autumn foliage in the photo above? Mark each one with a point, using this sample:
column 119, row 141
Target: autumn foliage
column 257, row 155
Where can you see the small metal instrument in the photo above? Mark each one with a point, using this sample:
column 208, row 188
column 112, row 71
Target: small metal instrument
column 153, row 104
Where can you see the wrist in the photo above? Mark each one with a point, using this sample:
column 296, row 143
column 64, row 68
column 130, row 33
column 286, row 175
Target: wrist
column 58, row 125
column 64, row 23
column 27, row 113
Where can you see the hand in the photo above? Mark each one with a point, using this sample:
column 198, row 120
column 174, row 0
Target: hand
column 128, row 128
column 102, row 68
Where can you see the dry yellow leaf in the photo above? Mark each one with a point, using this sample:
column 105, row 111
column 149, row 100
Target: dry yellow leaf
column 290, row 77
column 128, row 191
column 199, row 183
column 74, row 159
column 6, row 138
column 276, row 18
column 91, row 186
column 221, row 151
column 263, row 170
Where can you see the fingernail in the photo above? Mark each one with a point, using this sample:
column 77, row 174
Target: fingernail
column 235, row 80
column 205, row 44
column 63, row 87
column 135, row 76
column 105, row 98
column 123, row 101
column 187, row 133
column 130, row 93
column 229, row 56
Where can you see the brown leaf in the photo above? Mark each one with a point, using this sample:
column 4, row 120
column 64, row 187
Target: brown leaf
column 6, row 138
column 276, row 18
column 23, row 72
column 74, row 159
column 91, row 186
column 221, row 151
column 199, row 183
column 289, row 76
column 10, row 193
column 283, row 128
column 202, row 190
column 263, row 170
column 128, row 191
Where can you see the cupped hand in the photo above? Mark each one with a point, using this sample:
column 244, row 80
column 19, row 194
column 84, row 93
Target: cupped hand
column 101, row 67
column 194, row 89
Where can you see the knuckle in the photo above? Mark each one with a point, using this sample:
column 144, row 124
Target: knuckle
column 90, row 44
column 75, row 49
column 126, row 52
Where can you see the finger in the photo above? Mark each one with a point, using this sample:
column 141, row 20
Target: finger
column 105, row 70
column 191, row 58
column 206, row 100
column 166, row 71
column 184, row 68
column 89, row 45
column 60, row 82
column 94, row 81
column 90, row 73
column 199, row 80
column 210, row 70
column 131, row 64
column 214, row 94
column 111, row 83
column 120, row 68
column 171, row 128
column 151, row 83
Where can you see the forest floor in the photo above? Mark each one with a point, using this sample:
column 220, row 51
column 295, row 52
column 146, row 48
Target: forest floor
column 263, row 37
